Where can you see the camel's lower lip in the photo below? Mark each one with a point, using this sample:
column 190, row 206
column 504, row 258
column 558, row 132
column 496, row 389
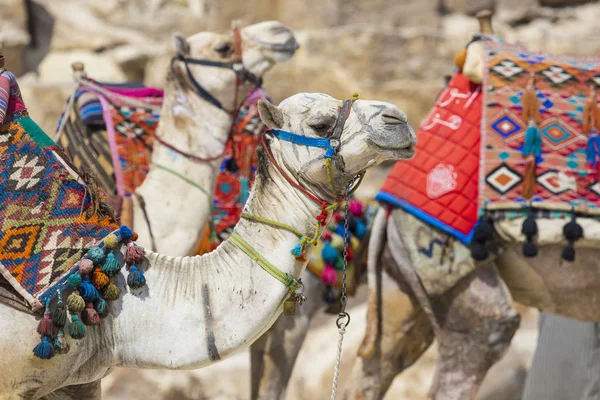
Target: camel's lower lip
column 403, row 152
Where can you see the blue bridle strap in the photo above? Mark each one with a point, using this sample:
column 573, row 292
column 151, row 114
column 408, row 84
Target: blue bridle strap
column 323, row 143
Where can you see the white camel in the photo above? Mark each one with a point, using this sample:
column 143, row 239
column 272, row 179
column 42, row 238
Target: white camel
column 198, row 310
column 193, row 124
column 474, row 319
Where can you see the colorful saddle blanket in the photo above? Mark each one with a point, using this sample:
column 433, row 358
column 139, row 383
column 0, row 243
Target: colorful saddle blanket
column 49, row 217
column 470, row 147
column 109, row 133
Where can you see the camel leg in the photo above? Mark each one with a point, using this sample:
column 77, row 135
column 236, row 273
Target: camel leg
column 404, row 333
column 274, row 354
column 86, row 391
column 477, row 322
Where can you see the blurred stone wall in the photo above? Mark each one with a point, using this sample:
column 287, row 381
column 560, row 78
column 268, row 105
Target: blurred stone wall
column 394, row 50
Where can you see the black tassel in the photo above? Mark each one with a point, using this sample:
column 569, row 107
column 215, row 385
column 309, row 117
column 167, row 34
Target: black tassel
column 572, row 232
column 529, row 229
column 231, row 165
column 328, row 295
column 484, row 232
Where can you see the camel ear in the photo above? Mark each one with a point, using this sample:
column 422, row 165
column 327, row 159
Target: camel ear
column 182, row 47
column 270, row 114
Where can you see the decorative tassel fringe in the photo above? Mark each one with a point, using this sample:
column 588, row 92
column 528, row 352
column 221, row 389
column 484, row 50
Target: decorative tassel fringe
column 136, row 278
column 111, row 241
column 101, row 307
column 88, row 291
column 59, row 315
column 484, row 233
column 529, row 178
column 76, row 328
column 74, row 280
column 111, row 292
column 593, row 149
column 329, row 276
column 572, row 232
column 231, row 165
column 95, row 255
column 89, row 316
column 61, row 346
column 100, row 279
column 85, row 266
column 45, row 326
column 134, row 254
column 75, row 303
column 111, row 265
column 125, row 233
column 529, row 229
column 44, row 350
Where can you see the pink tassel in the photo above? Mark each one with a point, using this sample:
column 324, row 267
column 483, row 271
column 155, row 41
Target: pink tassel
column 355, row 208
column 329, row 276
column 46, row 327
column 90, row 315
column 134, row 254
column 85, row 266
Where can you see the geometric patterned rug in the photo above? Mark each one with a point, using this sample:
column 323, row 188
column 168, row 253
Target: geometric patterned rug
column 564, row 180
column 48, row 217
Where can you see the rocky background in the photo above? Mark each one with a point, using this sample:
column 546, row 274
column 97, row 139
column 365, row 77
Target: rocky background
column 393, row 50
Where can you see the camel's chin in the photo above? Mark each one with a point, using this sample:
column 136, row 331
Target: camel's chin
column 398, row 153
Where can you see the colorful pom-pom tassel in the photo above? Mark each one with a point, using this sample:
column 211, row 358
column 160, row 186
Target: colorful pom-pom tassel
column 136, row 278
column 125, row 233
column 75, row 303
column 134, row 254
column 297, row 250
column 529, row 229
column 76, row 328
column 85, row 266
column 96, row 255
column 329, row 295
column 111, row 292
column 360, row 230
column 61, row 345
column 100, row 279
column 111, row 241
column 45, row 326
column 326, row 236
column 87, row 290
column 89, row 316
column 329, row 276
column 45, row 349
column 101, row 307
column 59, row 315
column 329, row 254
column 74, row 280
column 111, row 265
column 356, row 208
column 337, row 242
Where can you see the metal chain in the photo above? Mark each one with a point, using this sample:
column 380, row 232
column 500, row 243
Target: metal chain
column 343, row 319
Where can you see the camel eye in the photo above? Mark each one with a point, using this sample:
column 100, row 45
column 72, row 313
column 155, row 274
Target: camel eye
column 320, row 127
column 224, row 48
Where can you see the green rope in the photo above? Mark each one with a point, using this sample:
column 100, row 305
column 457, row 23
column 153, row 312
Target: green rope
column 283, row 277
column 188, row 180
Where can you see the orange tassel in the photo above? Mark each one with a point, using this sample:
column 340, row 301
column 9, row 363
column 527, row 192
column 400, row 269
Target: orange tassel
column 529, row 178
column 206, row 244
column 531, row 104
column 460, row 58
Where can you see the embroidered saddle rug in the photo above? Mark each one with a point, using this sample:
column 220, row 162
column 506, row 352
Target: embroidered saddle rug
column 108, row 131
column 470, row 153
column 49, row 217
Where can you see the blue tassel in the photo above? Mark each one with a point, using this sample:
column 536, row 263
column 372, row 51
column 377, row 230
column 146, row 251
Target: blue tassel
column 125, row 233
column 136, row 278
column 44, row 350
column 297, row 251
column 593, row 148
column 101, row 307
column 329, row 254
column 95, row 255
column 111, row 265
column 88, row 291
column 360, row 230
column 533, row 141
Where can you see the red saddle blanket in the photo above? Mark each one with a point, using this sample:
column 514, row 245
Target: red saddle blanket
column 440, row 184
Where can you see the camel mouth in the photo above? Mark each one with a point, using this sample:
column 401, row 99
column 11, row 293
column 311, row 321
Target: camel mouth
column 403, row 152
column 287, row 48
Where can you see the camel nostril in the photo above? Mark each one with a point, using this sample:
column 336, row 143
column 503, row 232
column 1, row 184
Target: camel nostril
column 394, row 119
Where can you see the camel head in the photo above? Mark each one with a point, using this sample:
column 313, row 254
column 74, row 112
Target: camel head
column 260, row 46
column 373, row 132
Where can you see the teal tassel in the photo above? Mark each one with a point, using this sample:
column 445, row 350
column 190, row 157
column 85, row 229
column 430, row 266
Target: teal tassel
column 111, row 265
column 101, row 307
column 44, row 350
column 297, row 250
column 244, row 190
column 88, row 291
column 96, row 255
column 329, row 254
column 533, row 141
column 136, row 278
column 76, row 329
column 74, row 280
column 61, row 346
